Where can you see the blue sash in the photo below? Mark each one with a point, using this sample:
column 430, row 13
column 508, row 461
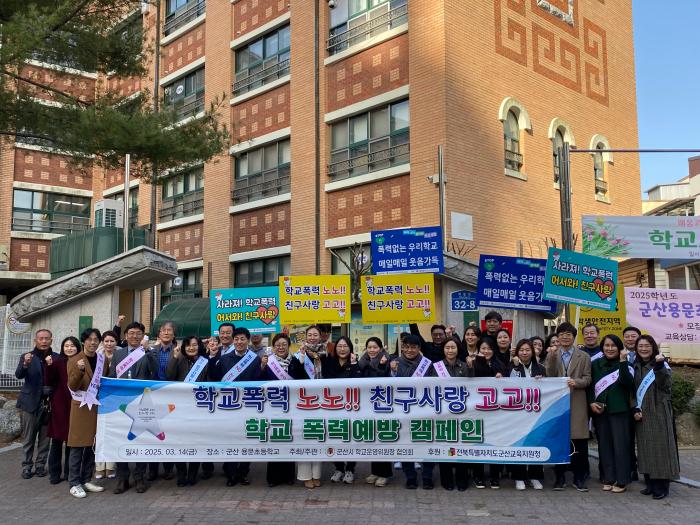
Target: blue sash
column 645, row 384
column 239, row 367
column 196, row 369
column 308, row 364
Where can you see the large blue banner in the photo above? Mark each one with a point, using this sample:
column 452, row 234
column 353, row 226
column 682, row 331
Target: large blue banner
column 410, row 250
column 512, row 282
column 255, row 308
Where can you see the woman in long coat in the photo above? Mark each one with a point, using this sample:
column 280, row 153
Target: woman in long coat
column 657, row 452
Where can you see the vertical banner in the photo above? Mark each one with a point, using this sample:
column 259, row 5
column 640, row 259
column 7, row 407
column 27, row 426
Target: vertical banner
column 608, row 322
column 397, row 299
column 512, row 282
column 254, row 308
column 311, row 299
column 577, row 278
column 670, row 316
column 410, row 250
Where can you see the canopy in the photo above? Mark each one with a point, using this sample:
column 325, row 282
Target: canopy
column 191, row 317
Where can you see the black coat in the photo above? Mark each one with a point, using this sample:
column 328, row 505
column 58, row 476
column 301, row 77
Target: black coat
column 519, row 371
column 179, row 367
column 429, row 349
column 33, row 388
column 484, row 368
column 332, row 369
column 228, row 361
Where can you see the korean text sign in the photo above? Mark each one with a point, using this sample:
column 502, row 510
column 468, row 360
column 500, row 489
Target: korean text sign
column 512, row 282
column 255, row 308
column 311, row 299
column 396, row 299
column 643, row 237
column 608, row 322
column 463, row 301
column 411, row 250
column 577, row 278
column 670, row 316
column 482, row 420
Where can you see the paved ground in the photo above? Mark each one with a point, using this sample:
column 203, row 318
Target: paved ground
column 36, row 501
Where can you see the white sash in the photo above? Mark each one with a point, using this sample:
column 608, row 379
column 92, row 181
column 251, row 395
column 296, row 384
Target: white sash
column 605, row 382
column 78, row 395
column 227, row 350
column 422, row 368
column 277, row 369
column 239, row 367
column 441, row 369
column 130, row 360
column 308, row 364
column 597, row 356
column 90, row 397
column 196, row 369
column 645, row 384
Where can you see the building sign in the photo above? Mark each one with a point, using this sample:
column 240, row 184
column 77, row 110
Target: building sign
column 670, row 316
column 643, row 237
column 463, row 301
column 577, row 278
column 311, row 299
column 512, row 282
column 412, row 250
column 397, row 299
column 255, row 308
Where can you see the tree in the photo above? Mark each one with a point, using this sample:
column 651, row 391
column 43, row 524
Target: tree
column 358, row 264
column 95, row 36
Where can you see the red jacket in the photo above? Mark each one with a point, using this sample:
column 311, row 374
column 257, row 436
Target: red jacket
column 56, row 376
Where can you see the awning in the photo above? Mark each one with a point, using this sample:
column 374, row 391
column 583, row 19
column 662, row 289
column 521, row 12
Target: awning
column 191, row 317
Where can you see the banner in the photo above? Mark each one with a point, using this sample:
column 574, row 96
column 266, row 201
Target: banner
column 512, row 282
column 254, row 308
column 577, row 278
column 612, row 322
column 479, row 420
column 670, row 316
column 650, row 237
column 397, row 299
column 311, row 299
column 411, row 250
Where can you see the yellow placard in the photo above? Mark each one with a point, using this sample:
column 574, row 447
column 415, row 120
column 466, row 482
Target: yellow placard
column 398, row 298
column 311, row 299
column 607, row 322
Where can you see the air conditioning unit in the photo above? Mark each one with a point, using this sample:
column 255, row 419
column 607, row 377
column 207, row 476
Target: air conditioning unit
column 109, row 213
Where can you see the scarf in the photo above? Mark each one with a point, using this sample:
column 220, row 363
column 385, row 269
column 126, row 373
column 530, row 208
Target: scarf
column 284, row 362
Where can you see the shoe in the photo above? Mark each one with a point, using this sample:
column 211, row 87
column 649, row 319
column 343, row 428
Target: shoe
column 231, row 482
column 192, row 482
column 181, row 482
column 536, row 484
column 371, row 479
column 167, row 475
column 581, row 486
column 560, row 484
column 122, row 486
column 607, row 487
column 206, row 474
column 77, row 491
column 309, row 484
column 519, row 484
column 316, row 482
column 448, row 487
column 92, row 487
column 617, row 489
column 99, row 474
column 381, row 482
column 40, row 472
column 348, row 478
column 428, row 484
column 111, row 474
column 243, row 480
column 646, row 491
column 495, row 484
column 152, row 476
column 140, row 486
column 462, row 488
column 479, row 484
column 662, row 495
column 27, row 473
column 337, row 476
column 55, row 481
column 411, row 484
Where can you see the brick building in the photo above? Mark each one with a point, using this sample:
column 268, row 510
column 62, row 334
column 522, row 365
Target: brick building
column 336, row 136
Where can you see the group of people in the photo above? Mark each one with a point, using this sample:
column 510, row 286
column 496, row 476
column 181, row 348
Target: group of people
column 622, row 386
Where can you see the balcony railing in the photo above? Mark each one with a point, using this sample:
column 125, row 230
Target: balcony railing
column 267, row 184
column 378, row 20
column 188, row 292
column 601, row 187
column 182, row 206
column 182, row 16
column 63, row 227
column 190, row 106
column 514, row 160
column 373, row 161
column 269, row 74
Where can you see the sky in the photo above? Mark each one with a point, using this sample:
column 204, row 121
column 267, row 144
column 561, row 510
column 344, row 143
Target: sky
column 667, row 52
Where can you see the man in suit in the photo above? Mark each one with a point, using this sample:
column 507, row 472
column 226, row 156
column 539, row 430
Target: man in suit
column 32, row 401
column 569, row 361
column 145, row 368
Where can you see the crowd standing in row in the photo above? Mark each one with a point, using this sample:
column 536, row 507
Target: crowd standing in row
column 623, row 386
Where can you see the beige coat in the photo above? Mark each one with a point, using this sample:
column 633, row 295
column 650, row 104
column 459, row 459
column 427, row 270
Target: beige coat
column 83, row 421
column 580, row 371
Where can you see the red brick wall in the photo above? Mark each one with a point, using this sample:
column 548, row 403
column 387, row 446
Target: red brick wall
column 251, row 14
column 184, row 50
column 694, row 166
column 374, row 71
column 261, row 115
column 262, row 228
column 380, row 205
column 76, row 85
column 124, row 86
column 183, row 243
column 46, row 168
column 29, row 255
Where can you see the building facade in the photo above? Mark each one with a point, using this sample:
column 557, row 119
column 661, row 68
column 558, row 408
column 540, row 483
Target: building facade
column 336, row 115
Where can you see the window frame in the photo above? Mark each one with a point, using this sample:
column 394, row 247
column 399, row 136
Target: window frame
column 283, row 268
column 48, row 214
column 239, row 158
column 263, row 39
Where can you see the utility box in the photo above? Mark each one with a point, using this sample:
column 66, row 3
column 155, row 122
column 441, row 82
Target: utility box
column 109, row 213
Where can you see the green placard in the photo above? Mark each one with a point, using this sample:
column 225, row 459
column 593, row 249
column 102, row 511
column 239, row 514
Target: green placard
column 84, row 322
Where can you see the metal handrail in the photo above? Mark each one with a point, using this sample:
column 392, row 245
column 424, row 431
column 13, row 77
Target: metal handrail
column 253, row 190
column 185, row 14
column 191, row 108
column 336, row 169
column 514, row 158
column 338, row 42
column 276, row 70
column 42, row 225
column 182, row 209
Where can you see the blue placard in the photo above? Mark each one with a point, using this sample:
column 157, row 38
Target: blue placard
column 463, row 301
column 512, row 282
column 411, row 250
column 578, row 278
column 255, row 308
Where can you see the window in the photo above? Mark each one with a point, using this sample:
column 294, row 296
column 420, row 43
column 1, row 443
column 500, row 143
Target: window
column 186, row 94
column 262, row 172
column 558, row 143
column 183, row 194
column 262, row 61
column 189, row 286
column 511, row 133
column 262, row 272
column 180, row 12
column 49, row 212
column 133, row 206
column 354, row 21
column 370, row 141
column 599, row 175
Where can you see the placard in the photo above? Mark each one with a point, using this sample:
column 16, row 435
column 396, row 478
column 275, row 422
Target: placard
column 670, row 316
column 397, row 299
column 255, row 308
column 408, row 250
column 312, row 299
column 512, row 282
